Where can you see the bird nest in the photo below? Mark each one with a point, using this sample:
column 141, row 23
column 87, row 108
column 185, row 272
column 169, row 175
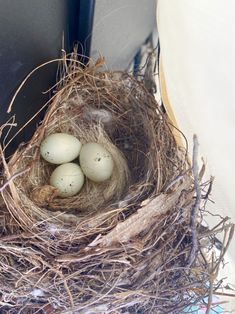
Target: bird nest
column 133, row 244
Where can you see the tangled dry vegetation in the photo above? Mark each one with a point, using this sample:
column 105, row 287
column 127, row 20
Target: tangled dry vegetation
column 134, row 244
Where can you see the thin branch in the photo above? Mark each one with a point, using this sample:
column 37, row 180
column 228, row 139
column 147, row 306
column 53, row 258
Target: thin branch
column 176, row 180
column 209, row 188
column 232, row 295
column 230, row 229
column 211, row 282
column 12, row 178
column 196, row 205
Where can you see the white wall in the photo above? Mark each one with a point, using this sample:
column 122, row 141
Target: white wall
column 197, row 40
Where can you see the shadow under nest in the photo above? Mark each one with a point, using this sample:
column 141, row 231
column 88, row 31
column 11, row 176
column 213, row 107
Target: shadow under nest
column 123, row 246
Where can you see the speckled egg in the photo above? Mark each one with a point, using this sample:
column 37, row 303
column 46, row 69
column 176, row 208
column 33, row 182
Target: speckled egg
column 60, row 148
column 96, row 162
column 68, row 179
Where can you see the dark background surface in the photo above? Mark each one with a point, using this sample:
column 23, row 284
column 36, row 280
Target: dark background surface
column 31, row 33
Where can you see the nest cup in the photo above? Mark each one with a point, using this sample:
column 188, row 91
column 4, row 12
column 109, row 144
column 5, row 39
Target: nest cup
column 133, row 244
column 112, row 109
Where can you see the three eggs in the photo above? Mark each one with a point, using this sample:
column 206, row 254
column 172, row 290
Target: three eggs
column 61, row 149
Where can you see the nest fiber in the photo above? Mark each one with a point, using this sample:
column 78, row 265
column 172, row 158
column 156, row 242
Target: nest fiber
column 133, row 244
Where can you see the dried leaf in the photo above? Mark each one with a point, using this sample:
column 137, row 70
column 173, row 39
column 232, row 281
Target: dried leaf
column 43, row 195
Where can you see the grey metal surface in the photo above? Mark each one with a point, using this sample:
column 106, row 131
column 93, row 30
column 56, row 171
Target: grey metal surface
column 119, row 29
